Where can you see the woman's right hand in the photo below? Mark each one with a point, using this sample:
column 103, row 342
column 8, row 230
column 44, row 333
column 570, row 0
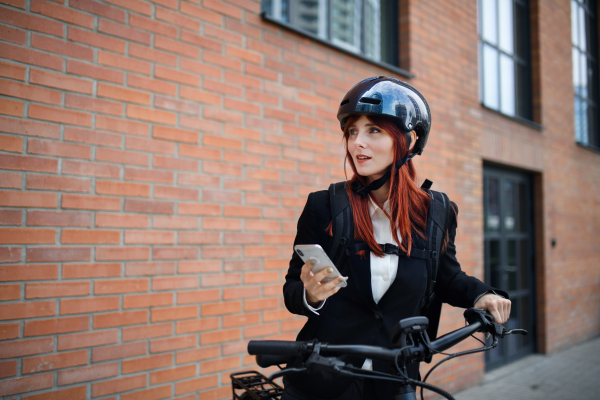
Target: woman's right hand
column 316, row 291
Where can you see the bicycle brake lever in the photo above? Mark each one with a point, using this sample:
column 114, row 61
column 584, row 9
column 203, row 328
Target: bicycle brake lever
column 502, row 332
column 514, row 332
column 285, row 371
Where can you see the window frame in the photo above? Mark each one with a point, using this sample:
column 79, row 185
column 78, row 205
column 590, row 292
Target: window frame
column 592, row 54
column 523, row 98
column 362, row 56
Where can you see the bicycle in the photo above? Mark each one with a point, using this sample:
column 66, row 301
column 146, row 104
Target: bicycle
column 409, row 335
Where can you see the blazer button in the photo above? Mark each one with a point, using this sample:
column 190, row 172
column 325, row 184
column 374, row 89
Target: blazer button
column 376, row 316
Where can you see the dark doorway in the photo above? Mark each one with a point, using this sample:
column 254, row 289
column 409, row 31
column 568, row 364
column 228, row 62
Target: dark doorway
column 509, row 255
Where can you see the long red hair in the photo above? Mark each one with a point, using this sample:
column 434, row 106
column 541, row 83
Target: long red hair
column 408, row 202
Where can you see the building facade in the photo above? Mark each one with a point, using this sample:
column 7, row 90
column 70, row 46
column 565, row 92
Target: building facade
column 155, row 157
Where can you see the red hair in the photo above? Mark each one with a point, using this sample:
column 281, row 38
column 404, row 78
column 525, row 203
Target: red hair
column 408, row 202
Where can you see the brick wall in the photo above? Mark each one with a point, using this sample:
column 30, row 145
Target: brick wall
column 155, row 156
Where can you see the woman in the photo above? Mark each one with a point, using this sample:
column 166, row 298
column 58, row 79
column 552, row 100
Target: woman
column 385, row 123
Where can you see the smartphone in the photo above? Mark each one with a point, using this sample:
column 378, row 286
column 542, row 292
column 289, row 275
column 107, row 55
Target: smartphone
column 315, row 252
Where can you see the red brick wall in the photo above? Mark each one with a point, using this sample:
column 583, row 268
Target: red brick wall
column 154, row 158
column 571, row 189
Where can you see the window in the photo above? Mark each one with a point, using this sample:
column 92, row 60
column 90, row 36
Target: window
column 585, row 71
column 504, row 57
column 368, row 28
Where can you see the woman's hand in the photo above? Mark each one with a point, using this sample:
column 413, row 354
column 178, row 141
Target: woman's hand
column 316, row 291
column 498, row 306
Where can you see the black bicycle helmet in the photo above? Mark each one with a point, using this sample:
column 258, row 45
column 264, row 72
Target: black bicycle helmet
column 388, row 97
column 385, row 96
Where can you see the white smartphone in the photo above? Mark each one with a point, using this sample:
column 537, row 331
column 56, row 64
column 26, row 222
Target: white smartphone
column 315, row 252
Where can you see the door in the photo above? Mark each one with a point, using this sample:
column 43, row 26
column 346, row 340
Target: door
column 509, row 252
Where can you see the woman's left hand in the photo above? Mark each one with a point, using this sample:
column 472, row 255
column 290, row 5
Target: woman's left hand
column 497, row 306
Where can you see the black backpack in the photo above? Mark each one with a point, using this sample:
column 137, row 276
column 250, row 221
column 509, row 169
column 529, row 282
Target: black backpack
column 438, row 220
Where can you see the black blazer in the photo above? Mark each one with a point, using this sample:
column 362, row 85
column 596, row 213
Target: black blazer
column 351, row 316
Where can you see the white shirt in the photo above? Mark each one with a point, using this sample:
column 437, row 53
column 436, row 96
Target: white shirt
column 383, row 270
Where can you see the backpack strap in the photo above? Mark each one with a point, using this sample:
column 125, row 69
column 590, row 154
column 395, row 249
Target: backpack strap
column 438, row 218
column 341, row 219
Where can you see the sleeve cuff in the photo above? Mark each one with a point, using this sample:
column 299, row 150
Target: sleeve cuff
column 312, row 309
column 478, row 297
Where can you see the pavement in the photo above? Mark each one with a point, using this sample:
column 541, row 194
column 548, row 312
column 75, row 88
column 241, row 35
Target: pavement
column 573, row 373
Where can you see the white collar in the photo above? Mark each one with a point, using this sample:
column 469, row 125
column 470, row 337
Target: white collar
column 373, row 207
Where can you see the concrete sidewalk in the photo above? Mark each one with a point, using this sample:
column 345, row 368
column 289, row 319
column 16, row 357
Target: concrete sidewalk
column 570, row 374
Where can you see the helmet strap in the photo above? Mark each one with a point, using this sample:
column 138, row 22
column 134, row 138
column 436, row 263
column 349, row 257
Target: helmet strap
column 362, row 190
column 407, row 156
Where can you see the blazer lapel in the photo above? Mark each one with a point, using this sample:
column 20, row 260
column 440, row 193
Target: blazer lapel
column 396, row 286
column 360, row 268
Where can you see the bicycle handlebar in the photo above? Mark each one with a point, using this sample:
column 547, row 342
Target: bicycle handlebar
column 450, row 339
column 480, row 321
column 289, row 348
column 293, row 348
